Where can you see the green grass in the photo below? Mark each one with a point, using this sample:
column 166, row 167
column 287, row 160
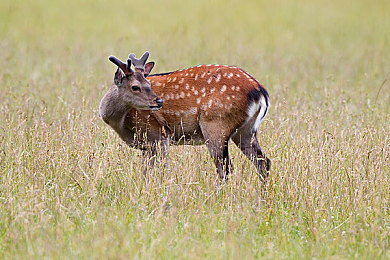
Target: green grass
column 69, row 187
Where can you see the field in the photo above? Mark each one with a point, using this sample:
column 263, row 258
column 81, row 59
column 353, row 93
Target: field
column 70, row 188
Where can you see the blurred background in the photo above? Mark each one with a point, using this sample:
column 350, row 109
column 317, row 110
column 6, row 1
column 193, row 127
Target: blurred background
column 285, row 44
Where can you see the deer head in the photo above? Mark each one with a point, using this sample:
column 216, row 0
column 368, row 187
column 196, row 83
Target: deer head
column 133, row 87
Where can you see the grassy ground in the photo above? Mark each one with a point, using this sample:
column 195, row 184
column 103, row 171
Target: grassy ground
column 69, row 188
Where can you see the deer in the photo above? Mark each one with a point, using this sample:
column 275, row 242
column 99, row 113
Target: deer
column 207, row 104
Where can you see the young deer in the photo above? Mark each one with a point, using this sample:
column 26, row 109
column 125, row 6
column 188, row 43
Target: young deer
column 205, row 104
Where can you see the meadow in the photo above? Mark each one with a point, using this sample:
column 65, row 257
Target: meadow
column 70, row 188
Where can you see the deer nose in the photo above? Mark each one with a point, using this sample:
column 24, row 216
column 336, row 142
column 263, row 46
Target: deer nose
column 159, row 102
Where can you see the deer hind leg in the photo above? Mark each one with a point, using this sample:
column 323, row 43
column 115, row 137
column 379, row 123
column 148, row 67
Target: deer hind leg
column 249, row 145
column 217, row 144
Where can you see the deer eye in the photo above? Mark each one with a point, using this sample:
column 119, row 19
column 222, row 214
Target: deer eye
column 135, row 88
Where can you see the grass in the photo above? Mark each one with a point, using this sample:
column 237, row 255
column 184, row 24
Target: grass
column 69, row 188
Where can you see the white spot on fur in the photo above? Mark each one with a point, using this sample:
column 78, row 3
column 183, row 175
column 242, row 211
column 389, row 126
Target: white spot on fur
column 203, row 74
column 193, row 111
column 181, row 80
column 157, row 84
column 174, row 79
column 230, row 75
column 196, row 76
column 210, row 103
column 177, row 96
column 172, row 96
column 187, row 86
column 203, row 90
column 188, row 94
column 233, row 87
column 182, row 95
column 225, row 74
column 223, row 89
column 176, row 86
column 169, row 80
column 238, row 75
column 204, row 94
column 196, row 92
column 212, row 90
column 228, row 98
column 186, row 74
column 218, row 77
column 237, row 88
column 198, row 100
column 209, row 80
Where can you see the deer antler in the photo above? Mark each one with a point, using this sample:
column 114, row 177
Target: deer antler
column 139, row 64
column 126, row 68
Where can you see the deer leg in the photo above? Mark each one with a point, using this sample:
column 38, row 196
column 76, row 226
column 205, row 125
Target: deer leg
column 148, row 160
column 217, row 144
column 250, row 146
column 157, row 152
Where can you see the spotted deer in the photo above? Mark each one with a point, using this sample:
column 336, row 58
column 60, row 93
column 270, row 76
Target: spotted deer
column 204, row 104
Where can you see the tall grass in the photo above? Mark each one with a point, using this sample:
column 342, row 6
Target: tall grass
column 69, row 188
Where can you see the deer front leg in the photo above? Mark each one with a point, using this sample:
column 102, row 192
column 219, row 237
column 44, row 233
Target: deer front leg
column 217, row 144
column 157, row 151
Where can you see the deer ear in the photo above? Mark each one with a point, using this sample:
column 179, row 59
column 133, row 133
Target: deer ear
column 119, row 75
column 148, row 68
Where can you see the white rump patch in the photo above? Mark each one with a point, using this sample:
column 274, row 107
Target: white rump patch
column 254, row 108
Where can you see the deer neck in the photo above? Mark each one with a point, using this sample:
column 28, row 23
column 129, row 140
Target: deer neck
column 113, row 111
